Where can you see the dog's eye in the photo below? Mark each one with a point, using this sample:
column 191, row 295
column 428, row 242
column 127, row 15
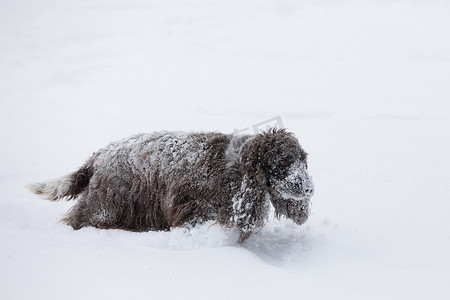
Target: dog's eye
column 286, row 162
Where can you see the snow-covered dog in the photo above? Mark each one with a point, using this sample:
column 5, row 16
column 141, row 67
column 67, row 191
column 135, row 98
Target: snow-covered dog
column 167, row 179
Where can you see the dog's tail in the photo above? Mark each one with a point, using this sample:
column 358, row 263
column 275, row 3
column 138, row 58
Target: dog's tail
column 68, row 186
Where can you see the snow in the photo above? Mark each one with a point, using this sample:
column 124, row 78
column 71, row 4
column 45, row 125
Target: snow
column 364, row 86
column 297, row 174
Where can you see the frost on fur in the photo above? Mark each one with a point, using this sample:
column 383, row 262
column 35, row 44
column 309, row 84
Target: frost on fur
column 163, row 180
column 69, row 186
column 52, row 189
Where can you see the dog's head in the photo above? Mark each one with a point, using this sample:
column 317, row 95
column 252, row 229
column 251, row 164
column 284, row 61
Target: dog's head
column 283, row 169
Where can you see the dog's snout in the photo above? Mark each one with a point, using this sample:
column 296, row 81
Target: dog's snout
column 309, row 186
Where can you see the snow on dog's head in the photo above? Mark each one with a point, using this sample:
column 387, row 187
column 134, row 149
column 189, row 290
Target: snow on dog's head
column 284, row 165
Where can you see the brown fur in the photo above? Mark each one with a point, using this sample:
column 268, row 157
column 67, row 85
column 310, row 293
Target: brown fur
column 163, row 180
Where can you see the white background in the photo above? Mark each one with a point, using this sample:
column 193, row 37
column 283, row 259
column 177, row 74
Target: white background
column 364, row 85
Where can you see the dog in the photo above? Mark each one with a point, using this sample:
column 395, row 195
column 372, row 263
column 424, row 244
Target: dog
column 163, row 180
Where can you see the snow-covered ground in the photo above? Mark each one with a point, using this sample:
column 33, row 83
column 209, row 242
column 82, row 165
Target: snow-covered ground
column 365, row 85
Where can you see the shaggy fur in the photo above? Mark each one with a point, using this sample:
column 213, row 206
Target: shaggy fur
column 167, row 179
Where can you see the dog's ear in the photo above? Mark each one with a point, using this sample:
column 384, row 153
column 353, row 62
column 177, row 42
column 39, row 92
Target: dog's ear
column 250, row 203
column 253, row 159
